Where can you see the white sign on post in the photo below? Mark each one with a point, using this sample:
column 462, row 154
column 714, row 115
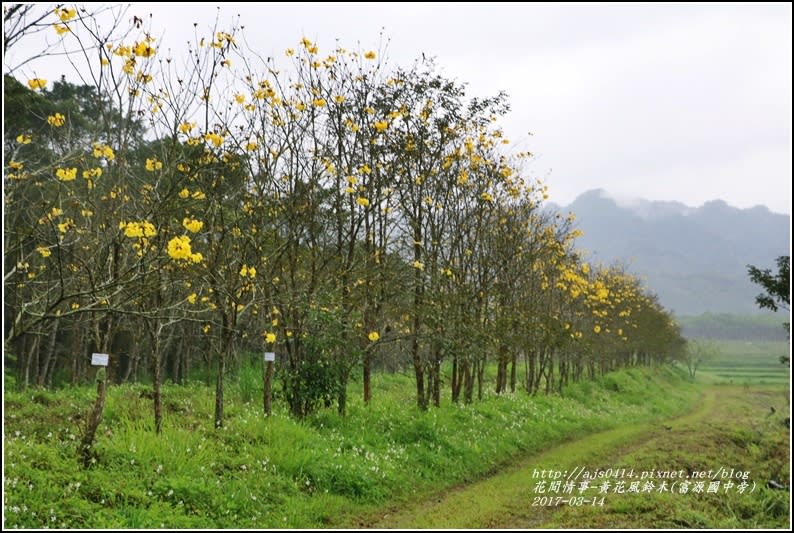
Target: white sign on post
column 99, row 359
column 270, row 356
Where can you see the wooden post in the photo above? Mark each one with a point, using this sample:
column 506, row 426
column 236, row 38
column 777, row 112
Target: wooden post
column 267, row 378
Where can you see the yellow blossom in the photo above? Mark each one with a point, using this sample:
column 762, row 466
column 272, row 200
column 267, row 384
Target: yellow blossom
column 418, row 265
column 65, row 226
column 144, row 49
column 37, row 84
column 206, row 328
column 362, row 201
column 239, row 98
column 339, row 99
column 122, row 50
column 92, row 172
column 214, row 138
column 289, row 52
column 138, row 229
column 153, row 164
column 185, row 127
column 184, row 193
column 270, row 338
column 192, row 298
column 129, row 66
column 370, row 55
column 179, row 247
column 251, row 146
column 192, row 225
column 597, row 329
column 24, row 138
column 44, row 251
column 319, row 102
column 373, row 336
column 16, row 165
column 103, row 150
column 57, row 120
column 381, row 125
column 60, row 29
column 66, row 174
column 65, row 14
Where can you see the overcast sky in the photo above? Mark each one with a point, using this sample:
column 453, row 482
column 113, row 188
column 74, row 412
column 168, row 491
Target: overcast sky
column 667, row 102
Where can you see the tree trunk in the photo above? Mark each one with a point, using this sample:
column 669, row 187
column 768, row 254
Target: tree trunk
column 341, row 395
column 455, row 386
column 158, row 411
column 437, row 380
column 219, row 388
column 42, row 371
column 468, row 386
column 501, row 369
column 367, row 376
column 513, row 372
column 29, row 359
column 480, row 372
column 94, row 418
column 421, row 400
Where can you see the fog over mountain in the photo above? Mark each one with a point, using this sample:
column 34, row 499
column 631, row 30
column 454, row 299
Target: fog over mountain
column 695, row 259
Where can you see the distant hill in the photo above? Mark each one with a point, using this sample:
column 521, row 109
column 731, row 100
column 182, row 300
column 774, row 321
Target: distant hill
column 746, row 328
column 695, row 259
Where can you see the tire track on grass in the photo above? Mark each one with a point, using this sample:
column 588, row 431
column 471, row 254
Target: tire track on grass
column 504, row 500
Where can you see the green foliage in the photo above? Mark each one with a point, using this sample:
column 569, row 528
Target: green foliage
column 777, row 286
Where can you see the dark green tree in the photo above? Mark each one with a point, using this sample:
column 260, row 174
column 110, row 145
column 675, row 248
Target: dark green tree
column 777, row 287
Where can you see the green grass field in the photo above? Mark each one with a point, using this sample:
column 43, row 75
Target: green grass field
column 734, row 430
column 258, row 473
column 747, row 363
column 730, row 428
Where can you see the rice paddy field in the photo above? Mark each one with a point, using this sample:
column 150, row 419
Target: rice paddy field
column 747, row 363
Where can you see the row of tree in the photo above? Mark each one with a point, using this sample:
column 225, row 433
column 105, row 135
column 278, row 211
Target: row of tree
column 338, row 211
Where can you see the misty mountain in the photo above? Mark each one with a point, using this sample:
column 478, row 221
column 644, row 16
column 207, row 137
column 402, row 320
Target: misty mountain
column 695, row 259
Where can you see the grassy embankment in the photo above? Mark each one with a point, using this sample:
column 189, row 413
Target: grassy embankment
column 258, row 473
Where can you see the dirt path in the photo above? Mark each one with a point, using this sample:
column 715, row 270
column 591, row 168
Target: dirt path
column 505, row 500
